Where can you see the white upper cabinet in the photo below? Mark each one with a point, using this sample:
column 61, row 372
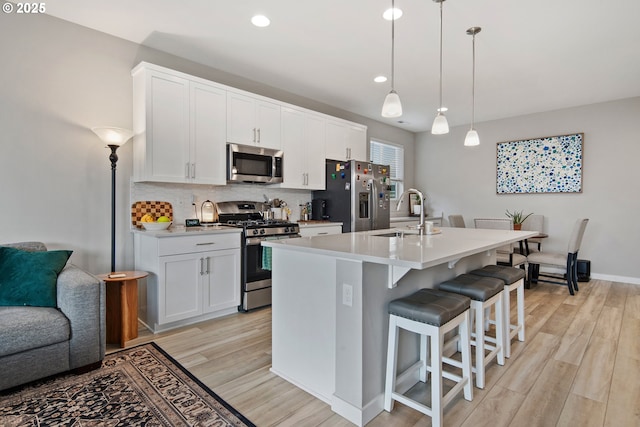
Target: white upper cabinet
column 303, row 139
column 315, row 138
column 161, row 126
column 253, row 121
column 208, row 134
column 346, row 141
column 182, row 125
column 180, row 129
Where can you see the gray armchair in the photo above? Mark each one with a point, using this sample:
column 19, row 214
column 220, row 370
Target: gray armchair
column 456, row 221
column 36, row 342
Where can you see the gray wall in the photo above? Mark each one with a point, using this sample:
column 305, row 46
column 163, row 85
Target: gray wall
column 461, row 180
column 57, row 81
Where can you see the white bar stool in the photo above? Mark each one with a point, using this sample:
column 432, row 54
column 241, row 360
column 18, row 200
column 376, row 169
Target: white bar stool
column 430, row 313
column 513, row 279
column 484, row 292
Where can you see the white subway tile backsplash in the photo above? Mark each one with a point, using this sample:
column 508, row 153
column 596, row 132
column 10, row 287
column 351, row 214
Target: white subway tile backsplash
column 180, row 196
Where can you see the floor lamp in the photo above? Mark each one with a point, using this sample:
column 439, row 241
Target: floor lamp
column 114, row 138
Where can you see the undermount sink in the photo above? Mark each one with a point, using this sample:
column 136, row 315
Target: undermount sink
column 399, row 233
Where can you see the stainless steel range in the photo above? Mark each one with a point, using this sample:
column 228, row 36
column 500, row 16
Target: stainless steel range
column 255, row 278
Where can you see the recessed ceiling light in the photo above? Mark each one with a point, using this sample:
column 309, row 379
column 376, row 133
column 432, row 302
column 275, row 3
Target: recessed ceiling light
column 260, row 21
column 442, row 109
column 380, row 79
column 389, row 13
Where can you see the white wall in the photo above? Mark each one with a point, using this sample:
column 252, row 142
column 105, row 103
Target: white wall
column 462, row 180
column 58, row 80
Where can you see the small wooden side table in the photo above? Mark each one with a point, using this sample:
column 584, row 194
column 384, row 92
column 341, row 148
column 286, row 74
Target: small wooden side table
column 122, row 305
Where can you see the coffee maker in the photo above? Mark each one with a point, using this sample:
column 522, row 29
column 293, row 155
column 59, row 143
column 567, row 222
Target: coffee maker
column 319, row 210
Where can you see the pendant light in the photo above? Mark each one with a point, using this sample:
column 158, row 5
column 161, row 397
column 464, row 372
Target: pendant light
column 472, row 136
column 440, row 125
column 392, row 106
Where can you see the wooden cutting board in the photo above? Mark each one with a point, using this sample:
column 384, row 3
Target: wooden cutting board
column 154, row 208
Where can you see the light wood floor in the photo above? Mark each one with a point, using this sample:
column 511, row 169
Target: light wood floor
column 579, row 366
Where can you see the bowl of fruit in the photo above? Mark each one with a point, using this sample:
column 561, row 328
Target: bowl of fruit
column 151, row 224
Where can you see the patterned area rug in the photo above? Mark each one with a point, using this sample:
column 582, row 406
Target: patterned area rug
column 141, row 386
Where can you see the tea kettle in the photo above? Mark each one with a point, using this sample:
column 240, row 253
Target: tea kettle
column 207, row 212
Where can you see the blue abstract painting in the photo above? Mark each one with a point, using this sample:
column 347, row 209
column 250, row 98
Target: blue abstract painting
column 543, row 165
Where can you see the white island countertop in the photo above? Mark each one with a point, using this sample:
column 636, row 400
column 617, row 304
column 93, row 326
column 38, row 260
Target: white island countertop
column 411, row 251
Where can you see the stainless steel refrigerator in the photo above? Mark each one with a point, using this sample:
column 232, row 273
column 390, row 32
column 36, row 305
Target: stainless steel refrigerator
column 357, row 194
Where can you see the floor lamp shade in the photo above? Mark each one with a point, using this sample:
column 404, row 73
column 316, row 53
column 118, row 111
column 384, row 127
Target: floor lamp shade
column 114, row 137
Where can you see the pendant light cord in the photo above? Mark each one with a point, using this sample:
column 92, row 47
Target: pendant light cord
column 440, row 109
column 393, row 43
column 473, row 82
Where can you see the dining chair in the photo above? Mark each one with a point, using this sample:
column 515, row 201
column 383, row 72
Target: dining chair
column 534, row 223
column 568, row 261
column 505, row 254
column 456, row 221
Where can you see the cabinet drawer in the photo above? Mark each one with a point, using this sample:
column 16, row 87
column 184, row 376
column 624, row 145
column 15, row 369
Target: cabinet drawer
column 320, row 231
column 201, row 243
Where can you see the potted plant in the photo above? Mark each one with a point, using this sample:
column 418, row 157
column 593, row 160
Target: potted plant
column 517, row 218
column 417, row 205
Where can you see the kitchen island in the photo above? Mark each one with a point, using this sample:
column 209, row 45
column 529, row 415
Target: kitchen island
column 329, row 307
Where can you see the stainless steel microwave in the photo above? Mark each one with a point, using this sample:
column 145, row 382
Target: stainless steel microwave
column 246, row 163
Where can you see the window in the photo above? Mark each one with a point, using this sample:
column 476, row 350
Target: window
column 388, row 154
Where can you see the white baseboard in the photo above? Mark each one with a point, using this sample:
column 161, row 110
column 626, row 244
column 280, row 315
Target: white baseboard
column 612, row 278
column 597, row 276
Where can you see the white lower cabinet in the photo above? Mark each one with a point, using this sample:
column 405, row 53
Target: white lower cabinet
column 191, row 278
column 180, row 288
column 223, row 267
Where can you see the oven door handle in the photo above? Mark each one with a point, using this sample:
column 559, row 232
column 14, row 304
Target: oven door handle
column 255, row 241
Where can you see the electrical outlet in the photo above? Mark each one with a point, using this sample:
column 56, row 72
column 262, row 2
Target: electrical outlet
column 347, row 295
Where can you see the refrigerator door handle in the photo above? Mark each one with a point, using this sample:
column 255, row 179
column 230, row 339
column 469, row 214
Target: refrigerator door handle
column 372, row 204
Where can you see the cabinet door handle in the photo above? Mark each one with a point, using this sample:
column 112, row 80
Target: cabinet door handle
column 193, row 170
column 186, row 170
column 306, row 178
column 323, row 232
column 202, row 266
column 254, row 134
column 258, row 135
column 205, row 244
column 208, row 267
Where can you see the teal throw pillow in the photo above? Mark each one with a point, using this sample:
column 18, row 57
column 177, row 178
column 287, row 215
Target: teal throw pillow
column 29, row 278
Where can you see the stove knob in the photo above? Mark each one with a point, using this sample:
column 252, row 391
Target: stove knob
column 286, row 229
column 262, row 231
column 255, row 231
